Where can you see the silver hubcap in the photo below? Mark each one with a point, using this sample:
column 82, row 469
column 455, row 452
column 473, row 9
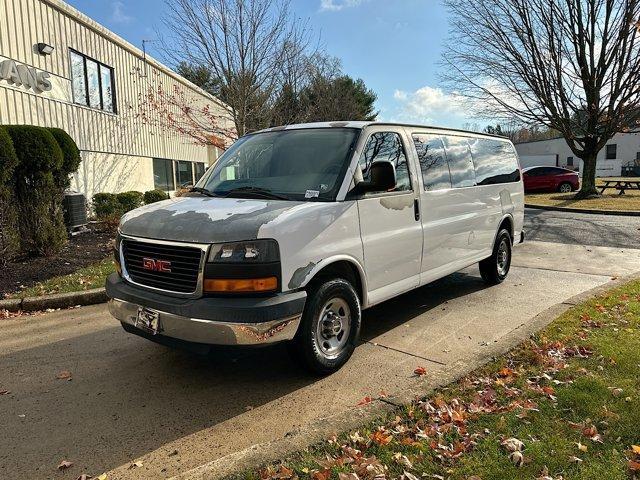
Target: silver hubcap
column 332, row 332
column 503, row 258
column 565, row 188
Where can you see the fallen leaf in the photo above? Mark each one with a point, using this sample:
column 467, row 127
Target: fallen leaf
column 348, row 476
column 409, row 476
column 517, row 458
column 102, row 477
column 4, row 392
column 576, row 460
column 84, row 476
column 64, row 464
column 420, row 371
column 322, row 474
column 513, row 445
column 582, row 448
column 64, row 375
column 402, row 460
column 635, row 449
column 634, row 466
column 365, row 401
column 135, row 465
column 381, row 438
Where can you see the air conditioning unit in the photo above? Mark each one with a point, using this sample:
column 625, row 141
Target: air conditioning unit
column 75, row 210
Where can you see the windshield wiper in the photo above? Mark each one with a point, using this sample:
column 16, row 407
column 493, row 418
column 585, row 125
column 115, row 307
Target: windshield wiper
column 256, row 191
column 203, row 191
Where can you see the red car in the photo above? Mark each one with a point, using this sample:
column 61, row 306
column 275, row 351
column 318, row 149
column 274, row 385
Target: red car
column 550, row 179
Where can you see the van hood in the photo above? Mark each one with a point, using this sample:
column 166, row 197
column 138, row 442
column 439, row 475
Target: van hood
column 203, row 219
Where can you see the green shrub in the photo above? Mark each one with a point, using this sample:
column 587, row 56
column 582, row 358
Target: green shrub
column 153, row 196
column 9, row 237
column 42, row 229
column 71, row 157
column 106, row 206
column 129, row 200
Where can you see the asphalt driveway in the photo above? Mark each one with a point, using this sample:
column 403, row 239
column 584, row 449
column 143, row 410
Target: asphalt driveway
column 130, row 400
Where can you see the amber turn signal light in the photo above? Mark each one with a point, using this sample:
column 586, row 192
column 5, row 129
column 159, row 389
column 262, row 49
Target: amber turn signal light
column 268, row 284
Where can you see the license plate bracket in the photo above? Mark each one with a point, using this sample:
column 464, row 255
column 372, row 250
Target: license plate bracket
column 148, row 320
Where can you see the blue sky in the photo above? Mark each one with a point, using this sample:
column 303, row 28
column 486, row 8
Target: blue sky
column 393, row 45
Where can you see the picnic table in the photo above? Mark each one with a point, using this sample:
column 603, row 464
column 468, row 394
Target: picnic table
column 620, row 185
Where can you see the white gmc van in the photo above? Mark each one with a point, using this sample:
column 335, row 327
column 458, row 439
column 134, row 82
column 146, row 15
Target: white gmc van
column 295, row 230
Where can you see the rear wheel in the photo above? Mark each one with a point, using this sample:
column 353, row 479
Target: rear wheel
column 565, row 187
column 495, row 268
column 330, row 326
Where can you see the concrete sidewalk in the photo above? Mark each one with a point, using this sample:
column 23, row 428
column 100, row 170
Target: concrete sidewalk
column 131, row 400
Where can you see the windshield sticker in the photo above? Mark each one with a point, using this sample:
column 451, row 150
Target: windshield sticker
column 312, row 194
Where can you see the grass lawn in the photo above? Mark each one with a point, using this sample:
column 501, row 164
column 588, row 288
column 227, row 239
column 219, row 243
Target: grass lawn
column 609, row 201
column 86, row 278
column 565, row 404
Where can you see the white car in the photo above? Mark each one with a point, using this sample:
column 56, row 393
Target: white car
column 295, row 230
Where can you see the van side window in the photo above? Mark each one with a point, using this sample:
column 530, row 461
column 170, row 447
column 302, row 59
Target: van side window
column 387, row 147
column 460, row 163
column 433, row 162
column 494, row 161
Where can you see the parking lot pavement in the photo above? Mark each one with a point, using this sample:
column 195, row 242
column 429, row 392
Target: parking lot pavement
column 582, row 228
column 131, row 400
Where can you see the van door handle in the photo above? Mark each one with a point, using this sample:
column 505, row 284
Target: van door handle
column 416, row 210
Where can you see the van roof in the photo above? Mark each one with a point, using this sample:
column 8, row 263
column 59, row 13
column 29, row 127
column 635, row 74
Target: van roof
column 360, row 125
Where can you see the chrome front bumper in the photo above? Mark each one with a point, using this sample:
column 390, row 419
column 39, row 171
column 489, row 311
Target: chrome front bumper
column 209, row 331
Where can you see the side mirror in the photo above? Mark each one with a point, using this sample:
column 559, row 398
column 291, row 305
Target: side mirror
column 383, row 178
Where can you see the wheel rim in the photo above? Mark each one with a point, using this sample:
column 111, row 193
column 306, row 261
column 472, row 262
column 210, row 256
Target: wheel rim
column 565, row 188
column 334, row 324
column 503, row 258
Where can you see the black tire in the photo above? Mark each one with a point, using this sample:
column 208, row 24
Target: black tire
column 496, row 268
column 308, row 346
column 562, row 188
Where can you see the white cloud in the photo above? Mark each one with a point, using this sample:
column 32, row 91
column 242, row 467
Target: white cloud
column 118, row 13
column 337, row 5
column 429, row 105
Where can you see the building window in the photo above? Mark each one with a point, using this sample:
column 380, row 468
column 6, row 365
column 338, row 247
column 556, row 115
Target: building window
column 163, row 174
column 612, row 152
column 198, row 170
column 569, row 161
column 92, row 83
column 184, row 173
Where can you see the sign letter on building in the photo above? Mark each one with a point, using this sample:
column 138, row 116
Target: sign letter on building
column 22, row 75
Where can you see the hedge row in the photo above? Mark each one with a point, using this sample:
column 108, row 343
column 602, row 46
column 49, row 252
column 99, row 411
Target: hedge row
column 35, row 165
column 110, row 207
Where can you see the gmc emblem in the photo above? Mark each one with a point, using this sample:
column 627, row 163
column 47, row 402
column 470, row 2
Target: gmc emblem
column 156, row 265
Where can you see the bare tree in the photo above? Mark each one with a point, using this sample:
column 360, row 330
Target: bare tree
column 570, row 65
column 252, row 46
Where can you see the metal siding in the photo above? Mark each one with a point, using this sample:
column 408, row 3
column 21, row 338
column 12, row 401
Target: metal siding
column 27, row 22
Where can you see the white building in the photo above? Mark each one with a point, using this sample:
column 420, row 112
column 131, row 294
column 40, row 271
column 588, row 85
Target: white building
column 59, row 68
column 622, row 150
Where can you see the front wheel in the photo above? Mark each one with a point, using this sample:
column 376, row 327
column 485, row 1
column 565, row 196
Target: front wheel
column 495, row 268
column 330, row 327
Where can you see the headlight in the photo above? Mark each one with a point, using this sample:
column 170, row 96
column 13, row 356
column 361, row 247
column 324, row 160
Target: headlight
column 254, row 251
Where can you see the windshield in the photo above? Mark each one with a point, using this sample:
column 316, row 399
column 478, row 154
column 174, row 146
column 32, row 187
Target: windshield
column 305, row 164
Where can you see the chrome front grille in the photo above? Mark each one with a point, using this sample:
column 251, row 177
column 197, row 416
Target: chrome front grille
column 163, row 266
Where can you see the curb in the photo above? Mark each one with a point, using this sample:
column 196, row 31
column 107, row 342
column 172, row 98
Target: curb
column 57, row 300
column 321, row 429
column 623, row 213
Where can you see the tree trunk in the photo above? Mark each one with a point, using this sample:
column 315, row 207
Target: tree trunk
column 588, row 187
